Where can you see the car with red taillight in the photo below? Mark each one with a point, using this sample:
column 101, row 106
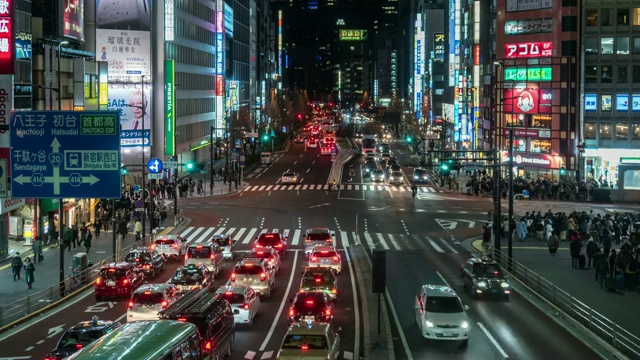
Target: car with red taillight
column 326, row 257
column 274, row 240
column 244, row 301
column 148, row 261
column 315, row 237
column 149, row 299
column 310, row 341
column 79, row 336
column 170, row 246
column 191, row 277
column 268, row 254
column 255, row 273
column 117, row 280
column 313, row 306
column 206, row 254
column 322, row 279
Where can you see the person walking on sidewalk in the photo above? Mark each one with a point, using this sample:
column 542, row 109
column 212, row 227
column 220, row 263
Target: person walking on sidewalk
column 29, row 269
column 83, row 232
column 68, row 238
column 16, row 266
column 574, row 248
column 592, row 250
column 87, row 241
column 137, row 228
column 601, row 267
column 553, row 243
column 97, row 225
column 521, row 230
column 36, row 246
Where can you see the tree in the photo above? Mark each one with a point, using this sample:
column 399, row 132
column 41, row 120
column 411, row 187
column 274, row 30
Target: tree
column 273, row 109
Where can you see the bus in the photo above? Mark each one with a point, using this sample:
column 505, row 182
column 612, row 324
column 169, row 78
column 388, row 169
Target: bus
column 368, row 143
column 148, row 340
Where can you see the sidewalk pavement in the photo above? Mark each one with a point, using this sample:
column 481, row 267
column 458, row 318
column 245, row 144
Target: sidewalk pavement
column 619, row 307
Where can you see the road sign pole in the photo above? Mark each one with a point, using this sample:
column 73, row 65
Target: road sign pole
column 113, row 228
column 143, row 163
column 61, row 245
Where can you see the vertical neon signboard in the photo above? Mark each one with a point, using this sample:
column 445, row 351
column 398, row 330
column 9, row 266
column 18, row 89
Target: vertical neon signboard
column 169, row 108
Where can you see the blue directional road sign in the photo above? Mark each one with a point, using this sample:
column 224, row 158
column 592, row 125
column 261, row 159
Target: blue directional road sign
column 154, row 166
column 65, row 154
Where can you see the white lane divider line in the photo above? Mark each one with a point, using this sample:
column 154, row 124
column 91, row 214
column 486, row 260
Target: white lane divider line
column 296, row 237
column 493, row 341
column 435, row 246
column 249, row 236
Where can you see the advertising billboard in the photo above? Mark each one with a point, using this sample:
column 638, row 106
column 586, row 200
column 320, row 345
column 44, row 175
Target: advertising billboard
column 169, row 20
column 529, row 50
column 72, row 19
column 23, row 46
column 622, row 102
column 521, row 101
column 123, row 40
column 591, row 102
column 352, row 35
column 228, row 20
column 438, row 47
column 528, row 26
column 526, row 5
column 7, row 54
column 635, row 101
column 234, row 93
column 169, row 106
column 522, row 73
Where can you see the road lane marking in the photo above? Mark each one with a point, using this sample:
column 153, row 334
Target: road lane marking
column 277, row 319
column 446, row 244
column 296, row 237
column 249, row 236
column 356, row 306
column 204, row 236
column 394, row 314
column 266, row 355
column 369, row 240
column 239, row 234
column 434, row 245
column 250, row 355
column 442, row 278
column 298, row 187
column 269, row 187
column 394, row 242
column 264, row 231
column 345, row 239
column 195, row 233
column 305, row 187
column 493, row 341
column 230, row 231
column 382, row 241
column 262, row 187
column 187, row 231
column 285, row 233
column 276, row 187
column 219, row 231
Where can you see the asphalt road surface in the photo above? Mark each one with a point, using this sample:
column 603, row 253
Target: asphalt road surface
column 423, row 245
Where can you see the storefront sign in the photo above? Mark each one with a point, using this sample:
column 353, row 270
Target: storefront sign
column 521, row 73
column 523, row 101
column 352, row 35
column 228, row 20
column 525, row 5
column 169, row 20
column 528, row 26
column 10, row 204
column 541, row 121
column 72, row 18
column 476, row 54
column 591, row 102
column 544, row 134
column 622, row 102
column 635, row 101
column 528, row 50
column 23, row 45
column 169, row 105
column 438, row 47
column 521, row 132
column 219, row 53
column 533, row 160
column 7, row 54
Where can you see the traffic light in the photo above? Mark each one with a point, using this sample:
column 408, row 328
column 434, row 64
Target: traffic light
column 190, row 166
column 563, row 171
column 265, row 137
column 123, row 171
column 409, row 139
column 299, row 117
column 444, row 167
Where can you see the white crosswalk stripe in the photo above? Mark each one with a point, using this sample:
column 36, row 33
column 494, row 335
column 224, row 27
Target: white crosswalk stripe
column 348, row 187
column 344, row 239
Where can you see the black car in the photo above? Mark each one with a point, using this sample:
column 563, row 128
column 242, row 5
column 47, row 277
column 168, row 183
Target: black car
column 420, row 175
column 483, row 277
column 369, row 166
column 315, row 306
column 81, row 335
column 213, row 316
column 148, row 261
column 274, row 240
column 190, row 277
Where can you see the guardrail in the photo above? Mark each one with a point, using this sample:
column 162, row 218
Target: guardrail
column 607, row 330
column 15, row 312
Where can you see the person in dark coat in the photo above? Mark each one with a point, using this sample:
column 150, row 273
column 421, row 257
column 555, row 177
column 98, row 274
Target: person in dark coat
column 87, row 241
column 574, row 248
column 29, row 269
column 612, row 263
column 601, row 267
column 592, row 250
column 16, row 266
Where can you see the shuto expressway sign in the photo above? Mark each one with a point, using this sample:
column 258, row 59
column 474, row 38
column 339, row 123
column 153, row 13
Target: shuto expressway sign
column 65, row 154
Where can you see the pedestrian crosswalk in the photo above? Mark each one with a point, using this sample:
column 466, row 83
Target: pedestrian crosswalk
column 374, row 241
column 352, row 187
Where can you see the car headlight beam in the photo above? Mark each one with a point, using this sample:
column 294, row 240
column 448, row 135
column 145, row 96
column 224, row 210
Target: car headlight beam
column 464, row 325
column 482, row 284
column 428, row 324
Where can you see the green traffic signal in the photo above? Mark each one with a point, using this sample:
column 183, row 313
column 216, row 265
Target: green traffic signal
column 409, row 139
column 265, row 137
column 563, row 171
column 444, row 167
column 190, row 166
column 123, row 171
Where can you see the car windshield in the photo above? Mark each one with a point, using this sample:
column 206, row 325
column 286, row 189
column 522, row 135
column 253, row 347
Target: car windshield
column 165, row 242
column 138, row 257
column 443, row 304
column 199, row 252
column 396, row 173
column 488, row 270
column 71, row 339
column 319, row 236
column 234, row 298
column 147, row 298
column 188, row 274
column 378, row 172
column 310, row 342
column 111, row 274
column 248, row 270
column 222, row 241
column 419, row 172
column 288, row 175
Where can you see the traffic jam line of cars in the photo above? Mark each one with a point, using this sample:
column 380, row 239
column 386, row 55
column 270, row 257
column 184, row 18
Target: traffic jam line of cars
column 190, row 294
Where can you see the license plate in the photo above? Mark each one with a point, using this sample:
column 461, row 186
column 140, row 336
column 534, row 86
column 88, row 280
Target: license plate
column 185, row 287
column 309, row 318
column 111, row 283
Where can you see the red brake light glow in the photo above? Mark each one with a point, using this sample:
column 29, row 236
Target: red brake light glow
column 208, row 346
column 309, row 302
column 260, row 252
column 130, row 304
column 125, row 281
column 334, row 291
column 228, row 293
column 318, row 280
column 164, row 304
column 198, row 246
column 269, row 235
column 147, row 292
column 327, row 312
column 336, row 258
column 263, row 276
column 78, row 346
column 304, row 347
column 98, row 281
column 324, row 252
column 233, row 276
column 182, row 319
column 137, row 259
column 313, row 259
column 291, row 312
column 246, row 306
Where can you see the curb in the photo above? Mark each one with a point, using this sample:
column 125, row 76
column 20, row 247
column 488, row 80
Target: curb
column 560, row 317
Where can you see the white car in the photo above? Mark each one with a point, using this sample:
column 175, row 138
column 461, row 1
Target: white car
column 396, row 177
column 326, row 257
column 170, row 246
column 207, row 254
column 312, row 144
column 227, row 244
column 440, row 314
column 255, row 273
column 317, row 237
column 289, row 178
column 149, row 299
column 245, row 303
column 325, row 150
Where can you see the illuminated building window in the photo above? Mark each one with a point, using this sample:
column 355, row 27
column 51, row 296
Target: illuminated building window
column 635, row 131
column 606, row 45
column 590, row 131
column 622, row 45
column 591, row 45
column 605, row 131
column 605, row 103
column 592, row 17
column 606, row 74
column 591, row 74
column 622, row 131
column 623, row 17
column 635, row 16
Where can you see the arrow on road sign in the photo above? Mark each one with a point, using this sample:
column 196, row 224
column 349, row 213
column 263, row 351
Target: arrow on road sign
column 55, row 331
column 55, row 145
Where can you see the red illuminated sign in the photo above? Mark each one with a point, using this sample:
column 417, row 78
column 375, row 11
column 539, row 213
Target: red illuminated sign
column 72, row 19
column 521, row 101
column 7, row 53
column 476, row 54
column 219, row 85
column 528, row 50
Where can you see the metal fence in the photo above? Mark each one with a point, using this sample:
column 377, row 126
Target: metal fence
column 70, row 287
column 608, row 330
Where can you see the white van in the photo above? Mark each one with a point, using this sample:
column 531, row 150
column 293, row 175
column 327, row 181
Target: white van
column 265, row 158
